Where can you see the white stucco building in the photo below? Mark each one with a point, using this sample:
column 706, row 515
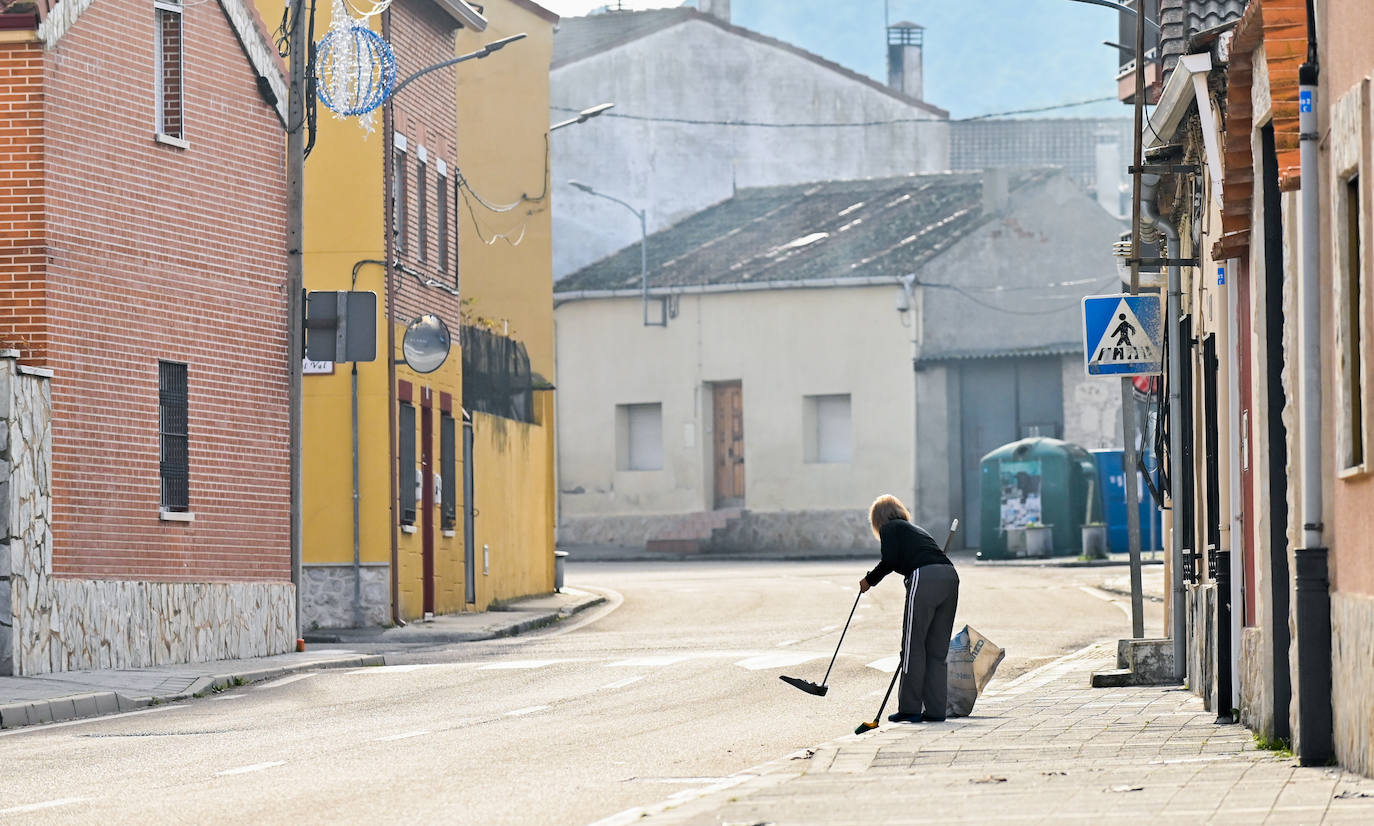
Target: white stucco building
column 698, row 103
column 825, row 343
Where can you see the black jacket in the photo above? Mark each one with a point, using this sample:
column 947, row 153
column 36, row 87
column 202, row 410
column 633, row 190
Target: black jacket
column 906, row 547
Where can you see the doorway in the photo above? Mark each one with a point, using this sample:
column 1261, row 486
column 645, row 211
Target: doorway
column 728, row 429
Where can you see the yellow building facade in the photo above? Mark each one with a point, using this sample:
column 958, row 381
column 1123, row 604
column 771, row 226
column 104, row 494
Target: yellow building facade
column 411, row 505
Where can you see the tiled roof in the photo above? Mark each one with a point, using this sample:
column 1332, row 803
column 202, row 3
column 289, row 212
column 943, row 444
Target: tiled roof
column 582, row 37
column 1281, row 27
column 876, row 228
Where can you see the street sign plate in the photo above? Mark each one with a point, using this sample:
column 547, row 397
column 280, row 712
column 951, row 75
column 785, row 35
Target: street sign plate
column 1123, row 335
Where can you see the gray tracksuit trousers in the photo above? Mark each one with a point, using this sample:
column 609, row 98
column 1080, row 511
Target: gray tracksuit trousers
column 932, row 595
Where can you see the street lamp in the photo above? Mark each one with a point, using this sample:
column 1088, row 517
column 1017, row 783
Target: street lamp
column 583, row 116
column 643, row 245
column 493, row 46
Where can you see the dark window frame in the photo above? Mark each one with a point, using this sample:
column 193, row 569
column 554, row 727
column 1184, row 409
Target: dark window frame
column 171, row 69
column 174, row 436
column 400, row 226
column 421, row 212
column 448, row 470
column 441, row 203
column 405, row 458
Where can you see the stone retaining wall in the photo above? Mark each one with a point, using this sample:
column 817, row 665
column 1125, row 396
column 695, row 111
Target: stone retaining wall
column 51, row 624
column 327, row 595
column 1202, row 648
column 1352, row 675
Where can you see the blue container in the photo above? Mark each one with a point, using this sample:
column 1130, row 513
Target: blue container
column 1112, row 479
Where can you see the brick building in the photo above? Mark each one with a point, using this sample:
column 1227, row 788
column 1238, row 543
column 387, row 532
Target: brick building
column 142, row 269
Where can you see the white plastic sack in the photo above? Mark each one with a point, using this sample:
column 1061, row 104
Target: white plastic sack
column 972, row 661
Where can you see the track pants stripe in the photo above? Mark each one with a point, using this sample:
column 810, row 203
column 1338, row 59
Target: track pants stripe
column 910, row 611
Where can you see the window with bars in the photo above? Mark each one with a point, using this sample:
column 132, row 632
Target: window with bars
column 170, row 76
column 448, row 469
column 173, row 428
column 400, row 230
column 441, row 204
column 406, row 460
column 421, row 213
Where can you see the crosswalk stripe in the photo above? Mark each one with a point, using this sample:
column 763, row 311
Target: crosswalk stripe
column 780, row 659
column 887, row 664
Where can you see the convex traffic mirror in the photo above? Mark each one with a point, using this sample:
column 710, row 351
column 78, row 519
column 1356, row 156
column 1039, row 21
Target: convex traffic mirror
column 426, row 344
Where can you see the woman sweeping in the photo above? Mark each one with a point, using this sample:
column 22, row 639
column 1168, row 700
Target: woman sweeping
column 932, row 595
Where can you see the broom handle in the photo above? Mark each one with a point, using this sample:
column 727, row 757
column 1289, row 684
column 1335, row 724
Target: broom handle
column 841, row 642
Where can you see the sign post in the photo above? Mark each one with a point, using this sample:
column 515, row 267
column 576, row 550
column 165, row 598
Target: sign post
column 1123, row 336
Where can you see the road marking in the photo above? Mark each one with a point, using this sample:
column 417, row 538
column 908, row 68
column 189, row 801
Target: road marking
column 285, row 681
column 682, row 780
column 101, row 719
column 517, row 664
column 397, row 669
column 1093, row 592
column 780, row 659
column 650, row 662
column 886, row 665
column 47, row 804
column 622, row 683
column 829, row 628
column 787, row 643
column 522, row 711
column 403, row 736
column 256, row 767
column 228, row 697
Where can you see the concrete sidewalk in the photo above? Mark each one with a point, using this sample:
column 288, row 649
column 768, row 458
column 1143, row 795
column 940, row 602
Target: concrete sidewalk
column 70, row 695
column 1044, row 748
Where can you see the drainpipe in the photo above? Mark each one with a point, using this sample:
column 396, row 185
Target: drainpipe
column 357, row 534
column 1148, row 182
column 1312, row 602
column 388, row 170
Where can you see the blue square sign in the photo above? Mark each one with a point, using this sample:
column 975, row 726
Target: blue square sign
column 1123, row 335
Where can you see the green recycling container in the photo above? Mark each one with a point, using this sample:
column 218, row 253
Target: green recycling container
column 1035, row 496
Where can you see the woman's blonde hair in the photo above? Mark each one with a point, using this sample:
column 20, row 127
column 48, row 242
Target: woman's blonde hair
column 885, row 509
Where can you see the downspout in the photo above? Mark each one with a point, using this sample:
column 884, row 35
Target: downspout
column 1238, row 503
column 388, row 170
column 1148, row 182
column 1312, row 597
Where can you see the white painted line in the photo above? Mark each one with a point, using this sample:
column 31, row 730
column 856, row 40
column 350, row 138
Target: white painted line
column 47, row 804
column 522, row 711
column 403, row 736
column 397, row 669
column 887, row 665
column 228, row 697
column 1093, row 592
column 650, row 662
column 829, row 628
column 256, row 767
column 516, row 665
column 50, row 726
column 622, row 683
column 787, row 643
column 780, row 659
column 682, row 780
column 294, row 678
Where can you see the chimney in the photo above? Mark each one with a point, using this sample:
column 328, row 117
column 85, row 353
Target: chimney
column 719, row 8
column 994, row 191
column 904, row 58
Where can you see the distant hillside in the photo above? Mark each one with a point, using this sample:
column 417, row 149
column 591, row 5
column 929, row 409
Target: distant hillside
column 981, row 56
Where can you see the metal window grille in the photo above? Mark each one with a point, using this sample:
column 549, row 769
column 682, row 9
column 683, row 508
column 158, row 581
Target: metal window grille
column 406, row 460
column 441, row 202
column 170, row 78
column 173, row 428
column 421, row 214
column 448, row 469
column 399, row 226
column 496, row 375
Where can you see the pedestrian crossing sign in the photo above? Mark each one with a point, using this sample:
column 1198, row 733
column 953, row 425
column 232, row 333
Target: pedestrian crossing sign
column 1123, row 335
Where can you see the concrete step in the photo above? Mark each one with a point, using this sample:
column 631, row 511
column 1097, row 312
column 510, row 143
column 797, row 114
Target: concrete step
column 1116, row 678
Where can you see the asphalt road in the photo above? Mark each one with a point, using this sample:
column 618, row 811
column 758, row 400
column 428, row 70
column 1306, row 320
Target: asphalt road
column 671, row 685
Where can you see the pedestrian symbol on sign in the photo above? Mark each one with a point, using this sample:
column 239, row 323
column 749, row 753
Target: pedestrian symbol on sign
column 1123, row 332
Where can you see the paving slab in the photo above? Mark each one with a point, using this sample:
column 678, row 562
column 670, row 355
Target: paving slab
column 1043, row 748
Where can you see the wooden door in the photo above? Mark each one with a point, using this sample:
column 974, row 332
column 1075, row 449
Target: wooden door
column 729, row 444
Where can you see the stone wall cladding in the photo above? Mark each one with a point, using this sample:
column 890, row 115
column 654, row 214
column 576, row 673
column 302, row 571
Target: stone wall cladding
column 327, row 596
column 1202, row 654
column 781, row 531
column 1256, row 707
column 1352, row 673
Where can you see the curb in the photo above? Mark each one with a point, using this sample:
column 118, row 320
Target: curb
column 421, row 637
column 101, row 703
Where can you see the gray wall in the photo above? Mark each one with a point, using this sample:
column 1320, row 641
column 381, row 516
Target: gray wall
column 699, row 71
